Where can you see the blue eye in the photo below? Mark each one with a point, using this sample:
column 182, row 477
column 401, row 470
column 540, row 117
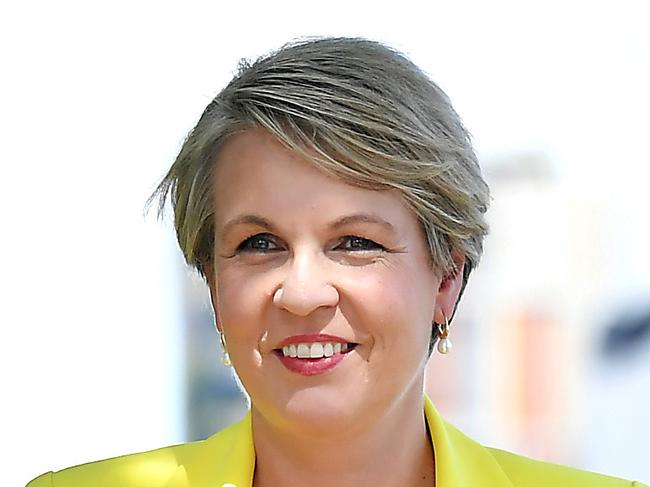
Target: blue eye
column 359, row 244
column 262, row 242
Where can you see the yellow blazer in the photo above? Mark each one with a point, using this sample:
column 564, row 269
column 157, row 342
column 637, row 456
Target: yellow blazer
column 227, row 459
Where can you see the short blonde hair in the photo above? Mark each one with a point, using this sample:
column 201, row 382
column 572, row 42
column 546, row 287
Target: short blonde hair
column 358, row 110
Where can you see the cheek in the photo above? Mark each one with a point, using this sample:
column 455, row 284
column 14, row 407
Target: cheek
column 395, row 303
column 239, row 299
column 408, row 287
column 240, row 303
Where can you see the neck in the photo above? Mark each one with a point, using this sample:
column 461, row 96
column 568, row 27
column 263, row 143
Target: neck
column 395, row 450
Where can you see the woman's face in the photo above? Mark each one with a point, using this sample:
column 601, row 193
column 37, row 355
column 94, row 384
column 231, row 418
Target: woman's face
column 302, row 258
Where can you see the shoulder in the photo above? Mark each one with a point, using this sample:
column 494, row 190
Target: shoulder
column 152, row 468
column 172, row 465
column 461, row 461
column 526, row 472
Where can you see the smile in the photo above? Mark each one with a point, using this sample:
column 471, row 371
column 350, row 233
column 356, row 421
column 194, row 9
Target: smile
column 315, row 350
column 313, row 354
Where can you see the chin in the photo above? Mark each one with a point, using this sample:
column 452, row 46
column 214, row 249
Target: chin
column 321, row 411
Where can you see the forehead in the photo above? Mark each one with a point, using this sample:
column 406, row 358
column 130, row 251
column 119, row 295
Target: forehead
column 255, row 172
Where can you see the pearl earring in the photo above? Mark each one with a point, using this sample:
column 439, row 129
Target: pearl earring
column 225, row 358
column 442, row 330
column 277, row 295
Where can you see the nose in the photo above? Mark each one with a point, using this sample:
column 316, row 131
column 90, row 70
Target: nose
column 305, row 287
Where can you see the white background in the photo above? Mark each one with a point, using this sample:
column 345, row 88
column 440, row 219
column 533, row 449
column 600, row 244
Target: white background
column 95, row 99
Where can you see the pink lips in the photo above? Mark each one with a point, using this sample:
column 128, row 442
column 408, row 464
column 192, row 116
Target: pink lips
column 310, row 366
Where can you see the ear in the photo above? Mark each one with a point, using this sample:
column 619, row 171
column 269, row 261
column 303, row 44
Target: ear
column 208, row 272
column 450, row 289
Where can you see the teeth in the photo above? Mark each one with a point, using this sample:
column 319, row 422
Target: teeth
column 303, row 350
column 314, row 350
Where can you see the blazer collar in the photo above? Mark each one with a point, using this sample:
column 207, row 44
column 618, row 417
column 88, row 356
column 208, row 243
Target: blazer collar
column 459, row 460
column 227, row 459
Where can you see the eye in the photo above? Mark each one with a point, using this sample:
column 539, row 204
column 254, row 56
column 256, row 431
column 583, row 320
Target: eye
column 262, row 242
column 357, row 244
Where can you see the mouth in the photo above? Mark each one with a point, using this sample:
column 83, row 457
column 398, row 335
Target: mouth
column 315, row 350
column 313, row 354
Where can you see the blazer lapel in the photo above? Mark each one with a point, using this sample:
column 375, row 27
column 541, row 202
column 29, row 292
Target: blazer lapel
column 459, row 460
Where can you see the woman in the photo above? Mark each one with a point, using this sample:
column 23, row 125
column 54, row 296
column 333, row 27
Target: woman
column 332, row 200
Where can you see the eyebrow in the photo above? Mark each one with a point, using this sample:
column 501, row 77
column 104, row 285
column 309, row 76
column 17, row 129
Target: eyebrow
column 257, row 220
column 260, row 221
column 362, row 218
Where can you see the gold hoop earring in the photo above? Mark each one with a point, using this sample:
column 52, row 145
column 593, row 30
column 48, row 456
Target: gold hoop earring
column 442, row 330
column 225, row 358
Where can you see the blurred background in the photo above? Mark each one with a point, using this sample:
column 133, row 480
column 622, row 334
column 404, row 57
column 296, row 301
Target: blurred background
column 107, row 340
